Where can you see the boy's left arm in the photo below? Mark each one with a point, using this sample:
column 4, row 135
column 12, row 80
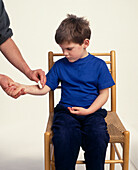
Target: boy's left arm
column 97, row 104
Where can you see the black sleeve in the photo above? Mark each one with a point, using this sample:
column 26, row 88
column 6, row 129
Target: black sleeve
column 5, row 31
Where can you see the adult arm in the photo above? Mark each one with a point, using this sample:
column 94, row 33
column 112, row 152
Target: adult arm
column 97, row 104
column 13, row 55
column 11, row 51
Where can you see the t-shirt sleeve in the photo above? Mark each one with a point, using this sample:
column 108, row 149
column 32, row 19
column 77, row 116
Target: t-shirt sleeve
column 5, row 31
column 105, row 79
column 52, row 77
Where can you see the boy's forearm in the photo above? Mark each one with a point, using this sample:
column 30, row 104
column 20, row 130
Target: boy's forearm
column 99, row 101
column 97, row 104
column 35, row 90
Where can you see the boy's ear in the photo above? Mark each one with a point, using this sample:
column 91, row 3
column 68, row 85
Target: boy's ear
column 86, row 43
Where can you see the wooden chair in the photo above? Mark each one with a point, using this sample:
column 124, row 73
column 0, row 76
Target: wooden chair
column 118, row 134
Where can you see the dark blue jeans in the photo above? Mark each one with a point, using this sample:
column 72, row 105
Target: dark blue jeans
column 72, row 131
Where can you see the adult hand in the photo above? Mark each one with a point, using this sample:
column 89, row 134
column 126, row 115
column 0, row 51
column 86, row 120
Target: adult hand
column 78, row 110
column 15, row 92
column 8, row 86
column 37, row 75
column 5, row 81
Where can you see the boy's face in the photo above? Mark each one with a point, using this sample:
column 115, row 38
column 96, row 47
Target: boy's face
column 74, row 51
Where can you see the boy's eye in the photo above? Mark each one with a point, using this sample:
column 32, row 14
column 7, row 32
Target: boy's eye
column 69, row 49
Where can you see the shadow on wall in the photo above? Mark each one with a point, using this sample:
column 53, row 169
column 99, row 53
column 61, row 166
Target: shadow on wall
column 21, row 164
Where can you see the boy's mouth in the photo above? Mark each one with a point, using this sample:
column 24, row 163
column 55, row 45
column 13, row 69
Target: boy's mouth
column 68, row 57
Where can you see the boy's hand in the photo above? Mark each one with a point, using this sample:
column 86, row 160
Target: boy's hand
column 78, row 110
column 15, row 90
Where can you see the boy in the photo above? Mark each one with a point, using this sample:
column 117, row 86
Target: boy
column 85, row 81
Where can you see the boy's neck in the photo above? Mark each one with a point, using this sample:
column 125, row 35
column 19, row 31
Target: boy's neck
column 85, row 55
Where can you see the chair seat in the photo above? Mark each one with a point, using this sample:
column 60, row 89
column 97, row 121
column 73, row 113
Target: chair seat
column 115, row 128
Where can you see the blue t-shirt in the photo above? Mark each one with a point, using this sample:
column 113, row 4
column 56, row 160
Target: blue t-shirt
column 80, row 80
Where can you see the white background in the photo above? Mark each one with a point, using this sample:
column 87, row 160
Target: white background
column 114, row 25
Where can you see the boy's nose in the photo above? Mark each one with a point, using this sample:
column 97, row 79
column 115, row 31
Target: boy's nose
column 65, row 53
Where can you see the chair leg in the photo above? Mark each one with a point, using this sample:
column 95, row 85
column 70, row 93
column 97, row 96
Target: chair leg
column 112, row 156
column 47, row 151
column 126, row 150
column 53, row 159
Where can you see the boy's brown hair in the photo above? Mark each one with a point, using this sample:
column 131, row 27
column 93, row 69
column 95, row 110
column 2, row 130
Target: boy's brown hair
column 73, row 29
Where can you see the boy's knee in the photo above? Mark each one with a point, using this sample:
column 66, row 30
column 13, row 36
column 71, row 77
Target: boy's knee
column 95, row 141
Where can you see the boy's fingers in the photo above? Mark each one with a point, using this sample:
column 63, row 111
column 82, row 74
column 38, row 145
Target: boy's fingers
column 69, row 108
column 11, row 84
column 21, row 92
column 74, row 110
column 17, row 95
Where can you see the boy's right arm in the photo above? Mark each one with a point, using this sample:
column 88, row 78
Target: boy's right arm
column 35, row 90
column 28, row 89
